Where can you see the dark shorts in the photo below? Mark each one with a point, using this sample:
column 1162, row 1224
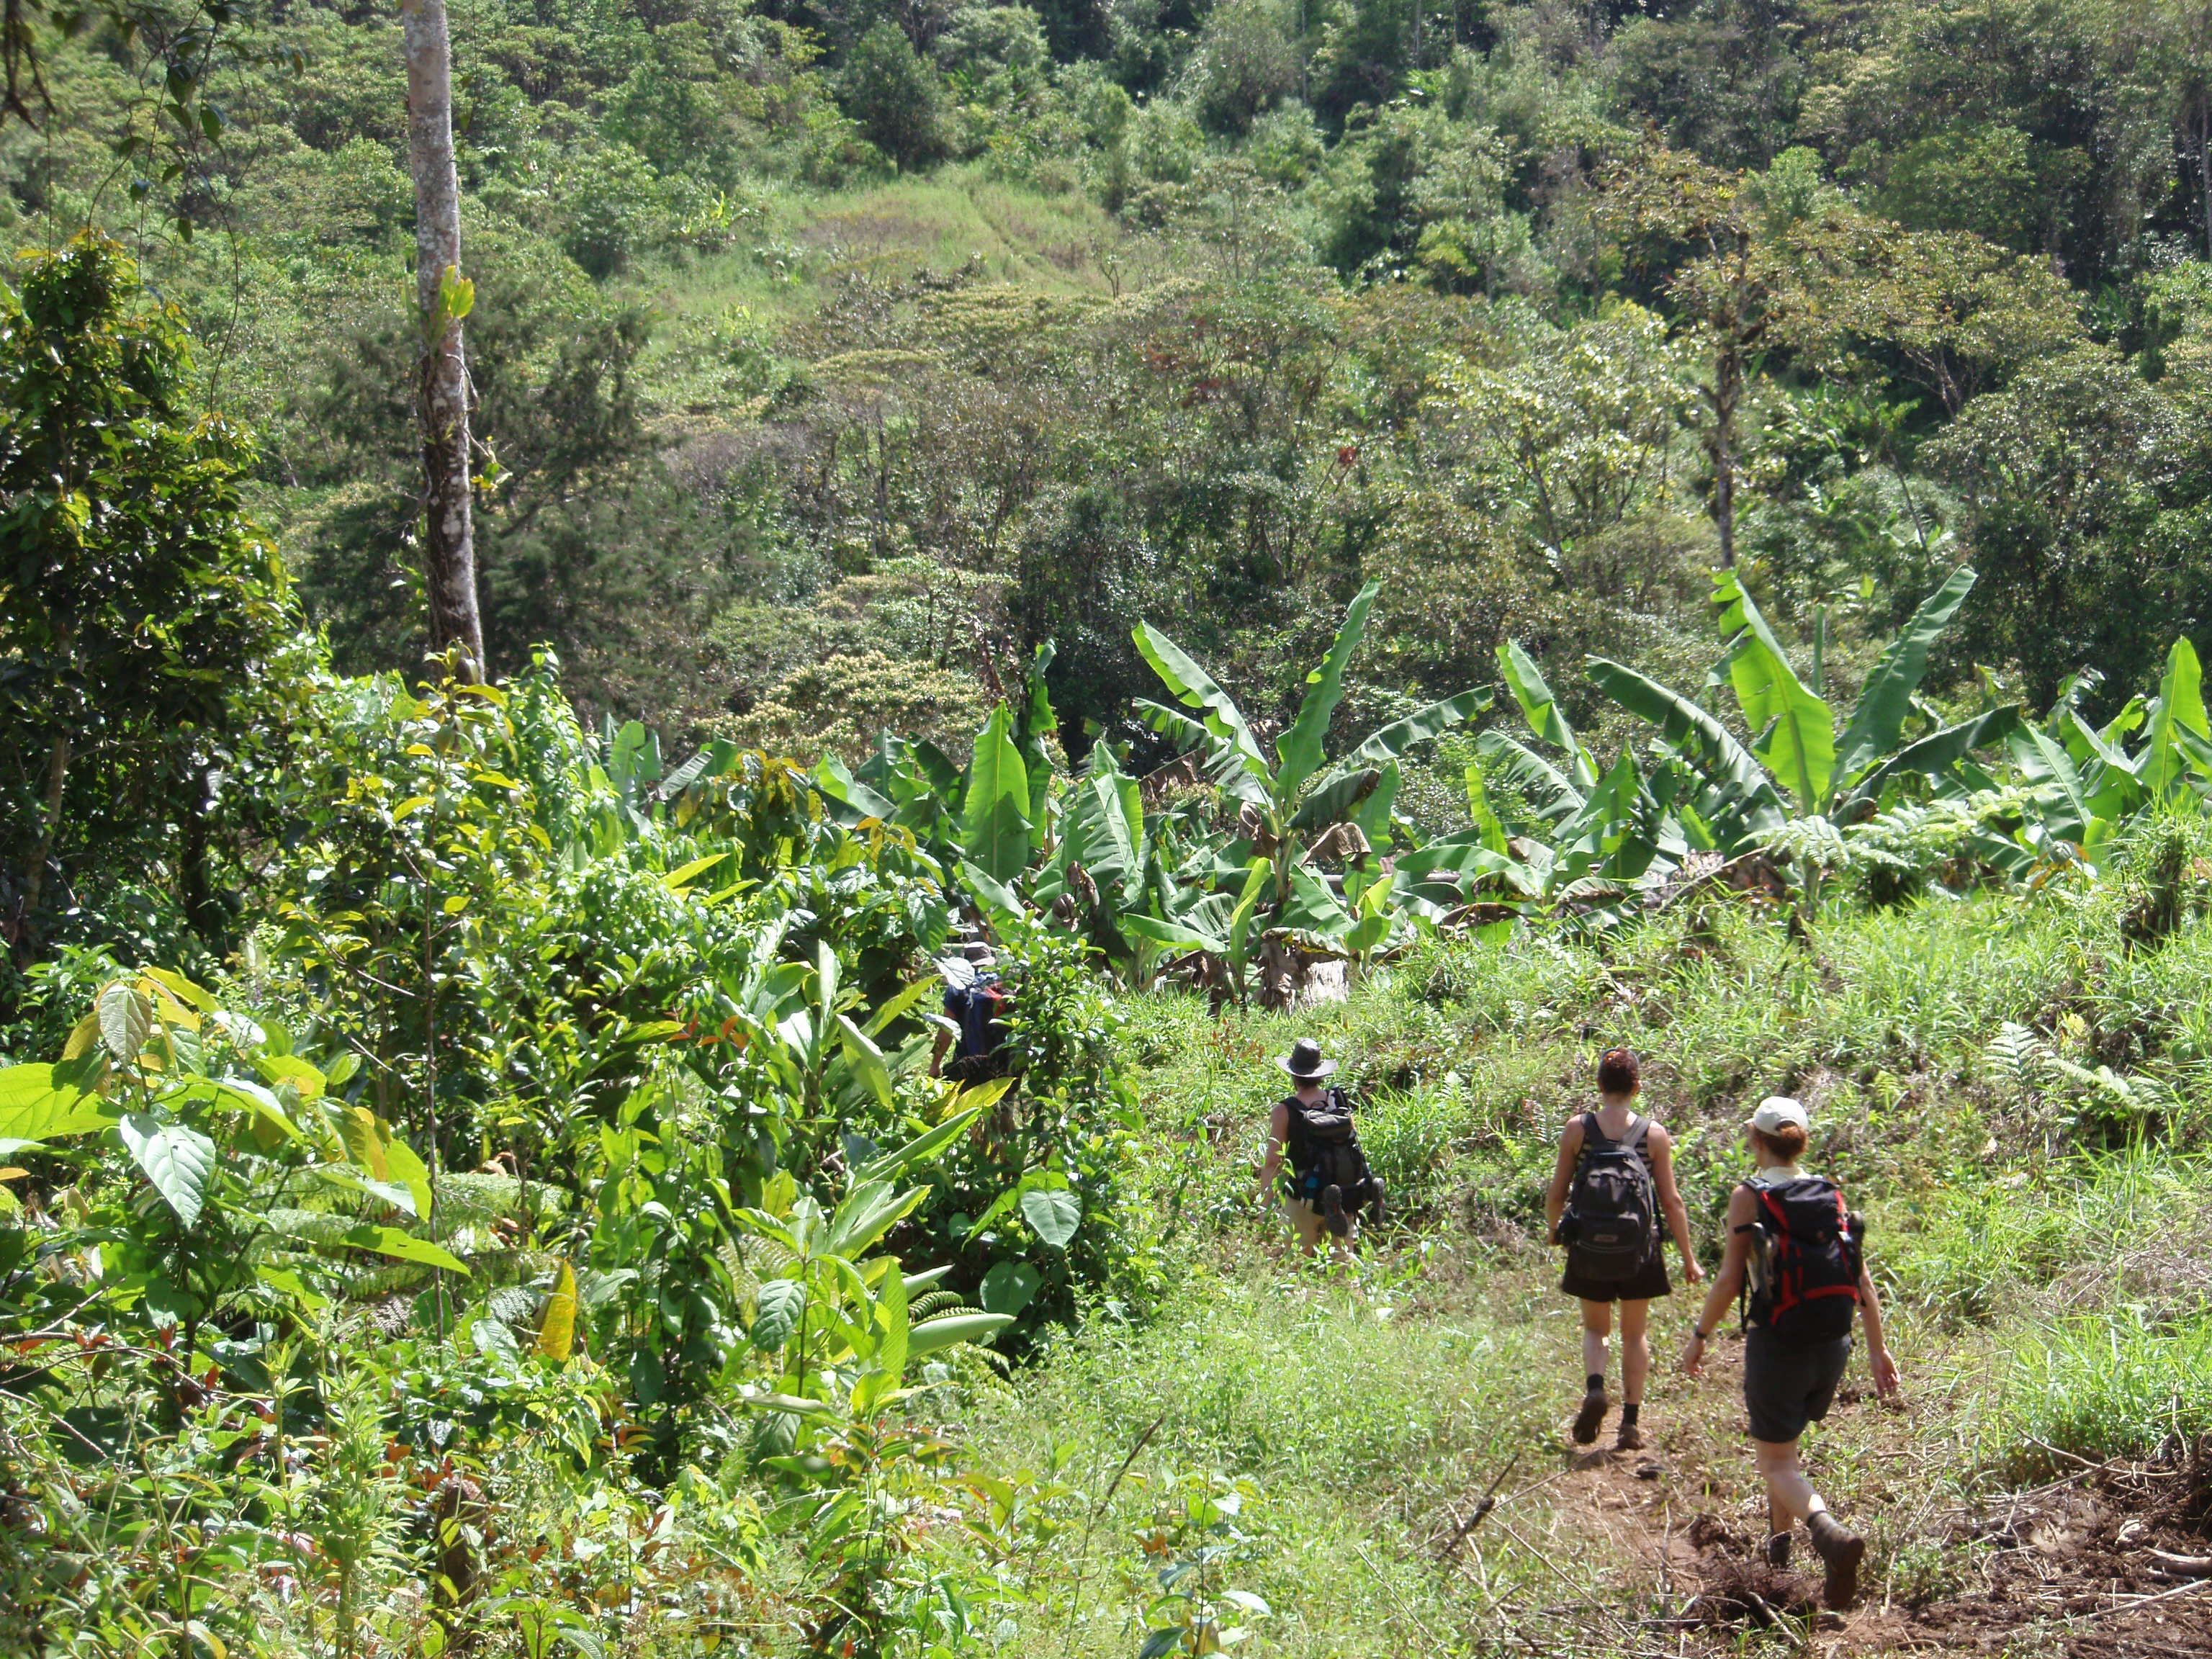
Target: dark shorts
column 1649, row 1280
column 1787, row 1385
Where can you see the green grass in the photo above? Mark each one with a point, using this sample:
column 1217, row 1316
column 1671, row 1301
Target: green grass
column 2047, row 1284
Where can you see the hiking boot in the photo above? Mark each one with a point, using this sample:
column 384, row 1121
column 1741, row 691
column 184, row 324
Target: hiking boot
column 1332, row 1211
column 1777, row 1550
column 1631, row 1439
column 1841, row 1551
column 1591, row 1414
column 1374, row 1200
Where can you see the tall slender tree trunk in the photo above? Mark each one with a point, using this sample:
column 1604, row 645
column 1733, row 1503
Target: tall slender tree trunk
column 1725, row 395
column 441, row 393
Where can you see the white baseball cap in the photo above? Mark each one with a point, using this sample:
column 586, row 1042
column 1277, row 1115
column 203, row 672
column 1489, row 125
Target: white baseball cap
column 1779, row 1111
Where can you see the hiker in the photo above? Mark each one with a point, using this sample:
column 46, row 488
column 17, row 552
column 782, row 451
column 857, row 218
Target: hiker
column 1803, row 1255
column 976, row 1002
column 1614, row 1175
column 1329, row 1183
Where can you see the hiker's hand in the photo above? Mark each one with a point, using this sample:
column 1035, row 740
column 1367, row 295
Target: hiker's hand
column 1693, row 1357
column 1886, row 1383
column 1692, row 1274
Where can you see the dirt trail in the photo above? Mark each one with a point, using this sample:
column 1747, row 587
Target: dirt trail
column 2113, row 1562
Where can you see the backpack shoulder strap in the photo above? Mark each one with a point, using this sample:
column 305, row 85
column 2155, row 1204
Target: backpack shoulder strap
column 1594, row 1135
column 1639, row 1128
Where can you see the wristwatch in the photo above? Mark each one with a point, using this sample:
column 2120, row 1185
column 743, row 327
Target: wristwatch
column 1701, row 1333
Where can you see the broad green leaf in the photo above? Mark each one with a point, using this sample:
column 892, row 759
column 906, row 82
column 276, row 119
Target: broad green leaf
column 1800, row 746
column 34, row 1107
column 302, row 1075
column 126, row 1019
column 1180, row 935
column 1552, row 794
column 1300, row 747
column 176, row 1159
column 945, row 1332
column 1391, row 741
column 1335, row 799
column 390, row 1240
column 776, row 1310
column 2044, row 761
column 182, row 988
column 1009, row 1287
column 2179, row 708
column 557, row 1332
column 678, row 880
column 927, row 1146
column 1124, row 839
column 1256, row 882
column 1226, row 766
column 1054, row 1213
column 1541, row 710
column 995, row 824
column 900, row 1005
column 1194, row 688
column 1741, row 789
column 867, row 1059
column 840, row 785
column 1934, row 754
column 866, row 1214
column 996, row 894
column 1878, row 718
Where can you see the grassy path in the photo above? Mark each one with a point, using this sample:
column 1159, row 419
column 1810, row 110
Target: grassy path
column 2048, row 1305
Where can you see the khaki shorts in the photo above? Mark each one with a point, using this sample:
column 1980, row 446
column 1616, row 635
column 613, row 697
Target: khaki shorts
column 1312, row 1227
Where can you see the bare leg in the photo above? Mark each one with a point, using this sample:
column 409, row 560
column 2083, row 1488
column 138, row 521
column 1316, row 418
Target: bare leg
column 1635, row 1351
column 1307, row 1222
column 1789, row 1495
column 1597, row 1327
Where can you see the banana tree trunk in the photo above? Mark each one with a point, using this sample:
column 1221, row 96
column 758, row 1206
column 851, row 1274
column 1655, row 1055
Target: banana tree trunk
column 442, row 379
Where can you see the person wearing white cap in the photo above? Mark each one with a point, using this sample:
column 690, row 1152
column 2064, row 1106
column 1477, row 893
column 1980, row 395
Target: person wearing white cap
column 1792, row 1238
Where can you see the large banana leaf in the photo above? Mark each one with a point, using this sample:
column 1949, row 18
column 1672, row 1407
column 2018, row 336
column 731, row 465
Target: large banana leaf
column 1300, row 747
column 2177, row 715
column 995, row 825
column 1799, row 745
column 1226, row 765
column 1036, row 723
column 1194, row 688
column 1546, row 786
column 1878, row 718
column 1743, row 803
column 1530, row 690
column 1933, row 756
column 2043, row 762
column 1336, row 800
column 1393, row 740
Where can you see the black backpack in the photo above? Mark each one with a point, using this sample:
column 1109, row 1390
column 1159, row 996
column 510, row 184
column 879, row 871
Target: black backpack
column 1610, row 1226
column 1806, row 1251
column 1324, row 1150
column 982, row 1008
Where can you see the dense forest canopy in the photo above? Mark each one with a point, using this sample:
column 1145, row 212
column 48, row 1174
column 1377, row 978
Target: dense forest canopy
column 826, row 354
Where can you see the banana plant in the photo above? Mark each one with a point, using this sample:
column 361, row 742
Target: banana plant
column 1295, row 809
column 1708, row 789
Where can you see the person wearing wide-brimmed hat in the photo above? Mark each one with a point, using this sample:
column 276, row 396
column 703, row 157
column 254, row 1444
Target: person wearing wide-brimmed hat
column 1328, row 1182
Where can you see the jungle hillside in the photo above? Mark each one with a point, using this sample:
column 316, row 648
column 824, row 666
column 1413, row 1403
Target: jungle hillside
column 576, row 577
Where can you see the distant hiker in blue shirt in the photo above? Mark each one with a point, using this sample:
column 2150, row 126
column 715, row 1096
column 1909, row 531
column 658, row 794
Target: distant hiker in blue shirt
column 977, row 1002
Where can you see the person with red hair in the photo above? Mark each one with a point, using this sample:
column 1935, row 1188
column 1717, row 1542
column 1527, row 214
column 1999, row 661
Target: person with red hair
column 1615, row 1176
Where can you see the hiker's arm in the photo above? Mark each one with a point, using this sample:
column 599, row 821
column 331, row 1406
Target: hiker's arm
column 1878, row 1361
column 1670, row 1199
column 936, row 1054
column 1742, row 1207
column 1279, row 1130
column 1563, row 1176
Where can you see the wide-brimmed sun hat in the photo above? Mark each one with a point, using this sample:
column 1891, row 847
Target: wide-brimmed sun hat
column 1304, row 1062
column 1779, row 1111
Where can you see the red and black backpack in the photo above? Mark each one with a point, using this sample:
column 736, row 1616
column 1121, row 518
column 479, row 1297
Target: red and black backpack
column 1806, row 1255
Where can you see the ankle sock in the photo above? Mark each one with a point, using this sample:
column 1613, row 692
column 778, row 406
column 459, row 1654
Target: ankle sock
column 1630, row 1412
column 1595, row 1384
